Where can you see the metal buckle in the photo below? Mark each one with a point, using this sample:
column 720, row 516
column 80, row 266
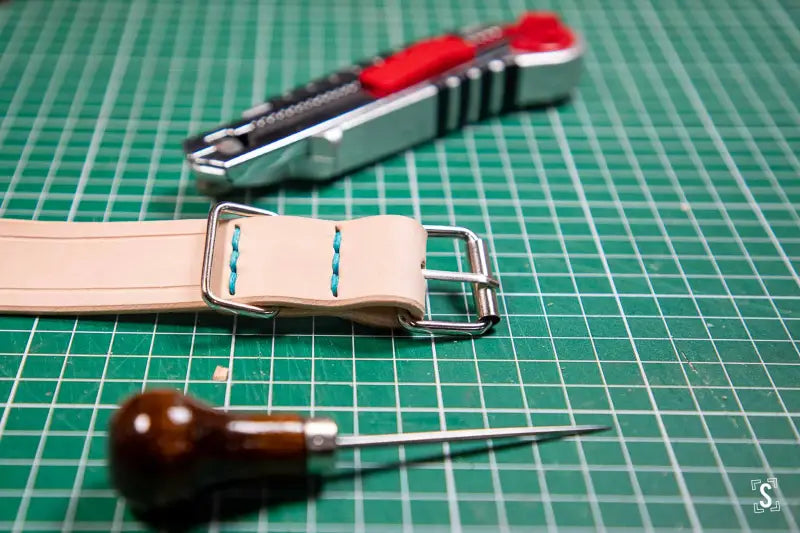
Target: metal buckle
column 483, row 287
column 212, row 300
column 480, row 276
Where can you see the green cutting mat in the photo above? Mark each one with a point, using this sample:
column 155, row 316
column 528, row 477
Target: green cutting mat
column 647, row 236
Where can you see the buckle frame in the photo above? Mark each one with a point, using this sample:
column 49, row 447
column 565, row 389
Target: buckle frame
column 480, row 277
column 211, row 299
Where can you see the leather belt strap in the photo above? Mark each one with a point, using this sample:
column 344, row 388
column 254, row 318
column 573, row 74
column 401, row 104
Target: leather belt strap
column 370, row 270
column 59, row 267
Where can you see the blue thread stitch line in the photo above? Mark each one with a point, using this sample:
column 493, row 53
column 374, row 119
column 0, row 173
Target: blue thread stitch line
column 337, row 242
column 234, row 259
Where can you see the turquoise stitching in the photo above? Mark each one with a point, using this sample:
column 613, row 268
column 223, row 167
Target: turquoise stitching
column 234, row 259
column 337, row 242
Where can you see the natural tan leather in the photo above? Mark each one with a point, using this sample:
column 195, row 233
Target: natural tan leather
column 284, row 262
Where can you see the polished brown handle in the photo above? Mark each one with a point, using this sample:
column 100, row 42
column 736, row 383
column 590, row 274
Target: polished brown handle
column 165, row 447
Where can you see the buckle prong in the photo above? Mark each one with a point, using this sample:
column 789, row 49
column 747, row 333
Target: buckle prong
column 464, row 277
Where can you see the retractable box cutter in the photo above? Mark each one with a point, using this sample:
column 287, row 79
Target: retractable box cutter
column 390, row 102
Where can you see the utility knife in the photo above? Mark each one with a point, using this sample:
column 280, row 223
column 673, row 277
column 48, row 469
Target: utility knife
column 390, row 102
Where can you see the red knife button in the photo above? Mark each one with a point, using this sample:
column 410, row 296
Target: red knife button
column 416, row 63
column 540, row 32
